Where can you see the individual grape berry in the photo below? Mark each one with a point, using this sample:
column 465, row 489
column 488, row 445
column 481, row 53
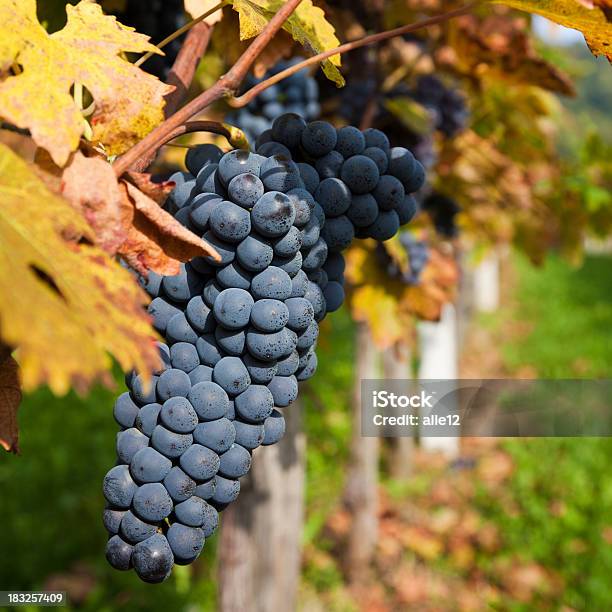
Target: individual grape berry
column 208, row 180
column 179, row 486
column 385, row 227
column 169, row 443
column 334, row 197
column 210, row 293
column 239, row 162
column 308, row 337
column 350, row 141
column 334, row 296
column 192, row 512
column 125, row 410
column 217, row 435
column 151, row 284
column 209, row 400
column 231, row 374
column 271, row 148
column 314, row 295
column 309, row 175
column 363, row 210
column 272, row 283
column 303, row 203
column 173, row 383
column 151, row 502
column 234, row 276
column 310, row 233
column 287, row 129
column 134, row 530
column 232, row 308
column 200, row 374
column 379, row 157
column 319, row 138
column 119, row 487
column 269, row 315
column 111, row 517
column 389, row 192
column 290, row 265
column 376, row 138
column 268, row 346
column 406, row 210
column 162, row 312
column 201, row 208
column 309, row 368
column 226, row 251
column 199, row 315
column 181, row 195
column 316, row 256
column 129, row 442
column 235, row 462
column 184, row 356
column 418, row 178
column 231, row 341
column 208, row 350
column 360, row 174
column 119, row 553
column 199, row 462
column 230, row 222
column 226, row 491
column 142, row 392
column 329, row 165
column 147, row 418
column 248, row 435
column 338, row 232
column 202, row 155
column 279, row 173
column 183, row 285
column 179, row 330
column 274, row 428
column 254, row 404
column 245, row 190
column 261, row 372
column 273, row 214
column 284, row 390
column 185, row 542
column 147, row 465
column 153, row 559
column 178, row 415
column 300, row 313
column 402, row 164
column 289, row 244
column 299, row 284
column 255, row 253
column 206, row 490
column 288, row 365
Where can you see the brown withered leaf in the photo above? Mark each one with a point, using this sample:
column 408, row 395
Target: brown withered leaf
column 10, row 398
column 158, row 192
column 498, row 46
column 90, row 185
column 156, row 240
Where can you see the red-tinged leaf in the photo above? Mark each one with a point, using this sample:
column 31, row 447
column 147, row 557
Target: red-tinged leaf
column 10, row 398
column 158, row 192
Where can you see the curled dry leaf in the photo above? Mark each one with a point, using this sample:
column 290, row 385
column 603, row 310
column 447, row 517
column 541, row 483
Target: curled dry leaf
column 156, row 240
column 90, row 185
column 10, row 398
column 158, row 192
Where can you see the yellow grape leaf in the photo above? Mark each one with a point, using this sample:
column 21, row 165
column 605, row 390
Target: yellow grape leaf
column 592, row 22
column 66, row 305
column 128, row 101
column 307, row 25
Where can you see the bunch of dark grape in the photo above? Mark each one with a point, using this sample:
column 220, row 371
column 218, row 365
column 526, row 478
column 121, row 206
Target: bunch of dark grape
column 157, row 19
column 241, row 332
column 418, row 256
column 442, row 210
column 298, row 94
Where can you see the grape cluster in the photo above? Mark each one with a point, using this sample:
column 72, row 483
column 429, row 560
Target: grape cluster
column 298, row 93
column 241, row 332
column 442, row 210
column 418, row 256
column 157, row 19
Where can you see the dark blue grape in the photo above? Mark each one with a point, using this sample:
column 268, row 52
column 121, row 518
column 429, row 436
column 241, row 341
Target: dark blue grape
column 268, row 346
column 230, row 341
column 185, row 542
column 316, row 256
column 217, row 435
column 303, row 203
column 143, row 392
column 184, row 356
column 173, row 383
column 333, row 196
column 119, row 487
column 272, row 283
column 182, row 286
column 360, row 174
column 363, row 210
column 379, row 157
column 309, row 368
column 284, row 390
column 299, row 284
column 270, row 148
column 289, row 244
column 206, row 490
column 245, row 190
column 301, row 313
column 231, row 374
column 350, row 141
column 111, row 517
column 239, row 162
column 376, row 138
column 199, row 462
column 202, row 155
column 232, row 308
column 279, row 173
column 254, row 404
column 134, row 530
column 152, row 502
column 249, row 435
column 309, row 175
column 407, row 210
column 162, row 312
column 153, row 559
column 319, row 138
column 402, row 164
column 288, row 365
column 255, row 253
column 273, row 214
column 226, row 251
column 209, row 400
column 179, row 330
column 290, row 265
column 235, row 462
column 148, row 465
column 178, row 415
column 230, row 222
column 226, row 491
column 147, row 418
column 389, row 192
column 233, row 275
column 200, row 374
column 385, row 227
column 269, row 315
column 125, row 410
column 201, row 209
column 338, row 232
column 308, row 337
column 334, row 296
column 261, row 372
column 329, row 165
column 170, row 444
column 210, row 292
column 151, row 284
column 119, row 553
column 179, row 486
column 287, row 129
column 274, row 428
column 129, row 442
column 199, row 315
column 208, row 350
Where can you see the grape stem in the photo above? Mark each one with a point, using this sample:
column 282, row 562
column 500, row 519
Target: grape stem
column 234, row 135
column 224, row 87
column 245, row 98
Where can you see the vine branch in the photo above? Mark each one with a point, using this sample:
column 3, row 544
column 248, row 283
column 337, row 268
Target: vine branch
column 224, row 87
column 245, row 98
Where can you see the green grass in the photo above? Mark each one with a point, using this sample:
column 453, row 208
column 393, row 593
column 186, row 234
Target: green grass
column 570, row 312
